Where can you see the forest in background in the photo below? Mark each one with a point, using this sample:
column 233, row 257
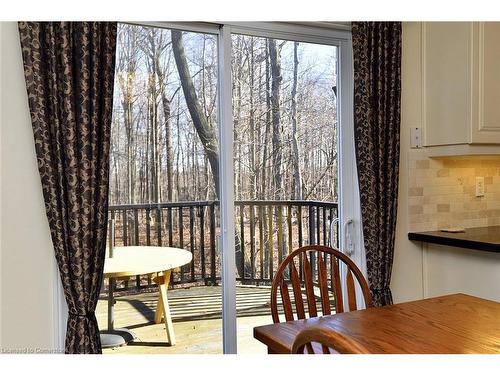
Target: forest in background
column 164, row 145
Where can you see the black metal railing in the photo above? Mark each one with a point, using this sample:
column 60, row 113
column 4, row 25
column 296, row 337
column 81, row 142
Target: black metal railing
column 266, row 231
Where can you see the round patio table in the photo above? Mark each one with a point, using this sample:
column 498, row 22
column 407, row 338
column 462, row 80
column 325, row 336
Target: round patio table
column 142, row 260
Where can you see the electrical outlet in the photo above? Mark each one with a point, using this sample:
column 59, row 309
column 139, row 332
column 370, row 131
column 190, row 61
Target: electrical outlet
column 479, row 186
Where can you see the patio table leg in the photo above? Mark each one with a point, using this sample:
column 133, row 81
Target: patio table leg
column 111, row 303
column 112, row 337
column 162, row 307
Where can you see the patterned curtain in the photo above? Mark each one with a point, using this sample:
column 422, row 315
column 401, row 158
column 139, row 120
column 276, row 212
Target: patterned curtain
column 377, row 102
column 69, row 71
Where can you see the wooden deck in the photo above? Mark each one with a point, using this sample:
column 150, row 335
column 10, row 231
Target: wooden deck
column 196, row 314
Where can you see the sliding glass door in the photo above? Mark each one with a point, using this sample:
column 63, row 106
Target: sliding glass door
column 288, row 157
column 235, row 143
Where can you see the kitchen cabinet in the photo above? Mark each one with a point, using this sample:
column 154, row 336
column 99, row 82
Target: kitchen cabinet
column 461, row 86
column 486, row 83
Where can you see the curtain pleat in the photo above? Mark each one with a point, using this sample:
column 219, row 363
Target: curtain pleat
column 69, row 72
column 377, row 108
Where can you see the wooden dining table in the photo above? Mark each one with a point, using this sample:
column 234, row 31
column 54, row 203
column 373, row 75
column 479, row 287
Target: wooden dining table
column 456, row 323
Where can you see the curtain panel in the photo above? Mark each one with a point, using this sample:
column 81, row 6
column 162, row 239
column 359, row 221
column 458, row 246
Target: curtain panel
column 377, row 107
column 69, row 72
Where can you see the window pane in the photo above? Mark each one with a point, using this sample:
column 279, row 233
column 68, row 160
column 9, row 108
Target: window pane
column 285, row 119
column 285, row 162
column 157, row 151
column 163, row 183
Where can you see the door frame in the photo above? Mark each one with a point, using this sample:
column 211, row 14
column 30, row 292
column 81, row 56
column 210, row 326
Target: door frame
column 349, row 195
column 226, row 183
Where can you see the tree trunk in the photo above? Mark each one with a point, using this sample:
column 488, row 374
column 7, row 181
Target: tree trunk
column 205, row 132
column 166, row 104
column 236, row 89
column 178, row 153
column 297, row 175
column 264, row 185
column 276, row 79
column 127, row 65
column 276, row 119
column 253, row 169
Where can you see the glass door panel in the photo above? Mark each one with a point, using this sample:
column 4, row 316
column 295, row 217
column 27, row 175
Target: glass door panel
column 285, row 115
column 164, row 184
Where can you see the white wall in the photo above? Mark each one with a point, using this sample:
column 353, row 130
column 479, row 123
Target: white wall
column 27, row 260
column 452, row 270
column 430, row 270
column 406, row 282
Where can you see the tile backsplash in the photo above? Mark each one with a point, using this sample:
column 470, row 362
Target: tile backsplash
column 441, row 191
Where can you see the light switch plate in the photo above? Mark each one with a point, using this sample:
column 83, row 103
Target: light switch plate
column 415, row 138
column 479, row 186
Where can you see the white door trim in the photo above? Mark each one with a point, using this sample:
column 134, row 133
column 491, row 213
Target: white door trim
column 194, row 27
column 294, row 32
column 349, row 198
column 226, row 178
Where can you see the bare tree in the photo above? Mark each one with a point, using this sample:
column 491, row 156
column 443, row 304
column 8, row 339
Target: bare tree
column 276, row 79
column 127, row 65
column 295, row 144
column 206, row 133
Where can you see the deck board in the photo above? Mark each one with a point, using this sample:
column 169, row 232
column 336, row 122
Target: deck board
column 196, row 315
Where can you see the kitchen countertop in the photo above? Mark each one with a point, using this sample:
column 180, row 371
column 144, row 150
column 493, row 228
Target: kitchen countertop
column 482, row 238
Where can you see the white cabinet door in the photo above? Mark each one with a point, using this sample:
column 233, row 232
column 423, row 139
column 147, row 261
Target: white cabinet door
column 447, row 82
column 486, row 99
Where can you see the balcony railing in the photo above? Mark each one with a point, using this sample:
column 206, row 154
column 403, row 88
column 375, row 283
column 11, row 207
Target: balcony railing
column 266, row 231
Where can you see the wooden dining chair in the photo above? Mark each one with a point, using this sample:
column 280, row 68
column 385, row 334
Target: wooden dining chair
column 330, row 341
column 314, row 271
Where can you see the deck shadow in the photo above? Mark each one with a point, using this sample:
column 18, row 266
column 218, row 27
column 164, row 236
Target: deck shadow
column 149, row 343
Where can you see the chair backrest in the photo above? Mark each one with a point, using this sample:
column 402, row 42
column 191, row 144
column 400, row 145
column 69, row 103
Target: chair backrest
column 328, row 339
column 311, row 268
